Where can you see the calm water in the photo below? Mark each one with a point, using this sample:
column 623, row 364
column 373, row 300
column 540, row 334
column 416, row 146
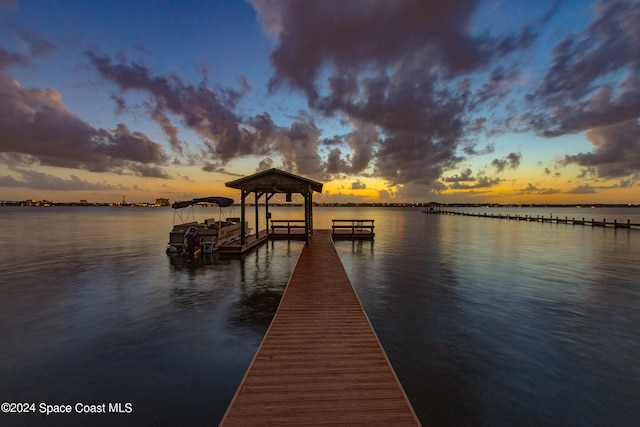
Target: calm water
column 486, row 322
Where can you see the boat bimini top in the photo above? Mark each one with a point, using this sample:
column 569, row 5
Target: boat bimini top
column 223, row 202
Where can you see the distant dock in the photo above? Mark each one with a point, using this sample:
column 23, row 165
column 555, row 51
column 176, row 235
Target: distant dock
column 541, row 218
column 320, row 362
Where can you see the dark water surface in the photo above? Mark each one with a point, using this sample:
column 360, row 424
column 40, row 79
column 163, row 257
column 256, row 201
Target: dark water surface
column 486, row 322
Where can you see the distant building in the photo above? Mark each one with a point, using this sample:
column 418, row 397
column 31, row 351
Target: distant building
column 162, row 202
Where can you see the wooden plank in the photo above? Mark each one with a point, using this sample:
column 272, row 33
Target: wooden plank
column 320, row 361
column 234, row 248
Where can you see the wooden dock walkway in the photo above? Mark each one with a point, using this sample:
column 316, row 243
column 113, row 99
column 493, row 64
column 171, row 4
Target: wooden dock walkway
column 320, row 362
column 234, row 248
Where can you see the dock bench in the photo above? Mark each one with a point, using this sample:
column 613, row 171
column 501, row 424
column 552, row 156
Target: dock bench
column 352, row 228
column 287, row 224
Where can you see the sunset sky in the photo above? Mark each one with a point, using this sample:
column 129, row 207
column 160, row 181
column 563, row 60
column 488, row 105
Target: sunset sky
column 497, row 101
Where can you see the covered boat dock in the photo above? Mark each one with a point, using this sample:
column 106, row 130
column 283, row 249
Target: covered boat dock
column 268, row 183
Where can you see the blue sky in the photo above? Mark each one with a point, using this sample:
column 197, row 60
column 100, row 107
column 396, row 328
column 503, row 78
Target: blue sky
column 403, row 101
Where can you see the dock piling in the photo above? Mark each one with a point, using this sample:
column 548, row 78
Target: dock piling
column 551, row 219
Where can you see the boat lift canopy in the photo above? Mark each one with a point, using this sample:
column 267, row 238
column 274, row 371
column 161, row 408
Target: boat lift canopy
column 178, row 213
column 223, row 202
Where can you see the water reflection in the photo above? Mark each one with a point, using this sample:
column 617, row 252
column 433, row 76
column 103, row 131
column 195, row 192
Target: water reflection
column 410, row 295
column 261, row 286
column 121, row 321
column 486, row 322
column 260, row 277
column 501, row 322
column 258, row 307
column 360, row 246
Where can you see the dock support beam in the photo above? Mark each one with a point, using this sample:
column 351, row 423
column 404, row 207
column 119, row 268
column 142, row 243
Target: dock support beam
column 258, row 195
column 243, row 231
column 307, row 224
column 267, row 213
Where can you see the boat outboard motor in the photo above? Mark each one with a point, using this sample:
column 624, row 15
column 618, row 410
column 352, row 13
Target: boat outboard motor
column 190, row 240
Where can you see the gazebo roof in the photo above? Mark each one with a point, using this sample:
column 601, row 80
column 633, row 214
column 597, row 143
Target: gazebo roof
column 275, row 181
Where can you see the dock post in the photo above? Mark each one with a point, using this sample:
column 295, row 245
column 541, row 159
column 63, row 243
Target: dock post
column 243, row 195
column 257, row 213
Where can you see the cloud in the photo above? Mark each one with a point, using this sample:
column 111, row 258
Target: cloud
column 413, row 86
column 587, row 172
column 512, row 160
column 582, row 189
column 358, row 185
column 121, row 103
column 361, row 142
column 548, row 171
column 384, row 195
column 208, row 112
column 8, row 58
column 610, row 44
column 298, row 147
column 32, row 46
column 417, row 191
column 616, row 151
column 42, row 181
column 409, row 83
column 465, row 176
column 36, row 127
column 481, row 182
column 607, row 105
column 217, row 168
column 335, row 164
column 533, row 189
column 498, row 86
column 626, row 183
column 472, row 151
column 348, row 36
column 593, row 85
column 265, row 164
column 213, row 114
column 148, row 171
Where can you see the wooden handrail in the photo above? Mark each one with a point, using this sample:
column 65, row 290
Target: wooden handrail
column 290, row 223
column 356, row 225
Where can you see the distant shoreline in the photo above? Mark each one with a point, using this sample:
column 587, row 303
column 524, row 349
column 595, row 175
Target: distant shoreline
column 43, row 203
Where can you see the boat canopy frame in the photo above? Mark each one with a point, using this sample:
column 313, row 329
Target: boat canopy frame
column 221, row 202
